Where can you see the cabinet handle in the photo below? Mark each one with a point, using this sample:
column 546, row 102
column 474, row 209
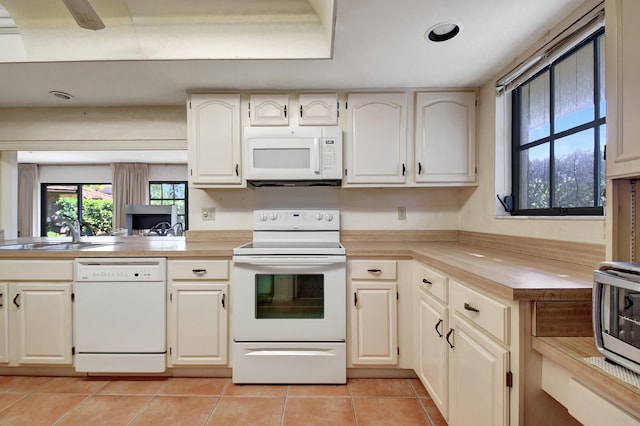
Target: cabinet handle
column 223, row 297
column 355, row 299
column 199, row 271
column 426, row 281
column 237, row 173
column 468, row 307
column 448, row 341
column 419, row 168
column 438, row 331
column 15, row 300
column 300, row 111
column 404, row 169
column 285, row 111
column 374, row 271
column 1, row 305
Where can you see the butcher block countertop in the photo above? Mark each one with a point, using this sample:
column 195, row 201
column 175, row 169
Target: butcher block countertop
column 512, row 275
column 570, row 353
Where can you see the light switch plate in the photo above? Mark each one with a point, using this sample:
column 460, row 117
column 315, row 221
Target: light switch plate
column 402, row 213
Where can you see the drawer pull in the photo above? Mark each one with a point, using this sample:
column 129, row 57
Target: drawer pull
column 438, row 331
column 448, row 341
column 468, row 307
column 374, row 271
column 199, row 271
column 426, row 281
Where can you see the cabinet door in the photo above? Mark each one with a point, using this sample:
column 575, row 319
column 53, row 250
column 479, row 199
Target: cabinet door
column 433, row 367
column 445, row 137
column 374, row 334
column 623, row 87
column 199, row 313
column 318, row 109
column 214, row 140
column 477, row 377
column 376, row 138
column 269, row 110
column 4, row 323
column 42, row 312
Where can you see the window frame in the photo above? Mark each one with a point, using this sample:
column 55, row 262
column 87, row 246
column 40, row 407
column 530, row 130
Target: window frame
column 595, row 124
column 185, row 223
column 44, row 204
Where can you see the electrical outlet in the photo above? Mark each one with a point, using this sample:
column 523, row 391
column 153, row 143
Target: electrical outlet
column 402, row 213
column 209, row 213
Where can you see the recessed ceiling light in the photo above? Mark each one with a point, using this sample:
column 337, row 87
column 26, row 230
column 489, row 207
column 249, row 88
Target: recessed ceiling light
column 442, row 32
column 61, row 95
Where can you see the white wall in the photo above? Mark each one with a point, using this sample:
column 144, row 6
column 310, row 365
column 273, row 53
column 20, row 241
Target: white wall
column 78, row 173
column 361, row 209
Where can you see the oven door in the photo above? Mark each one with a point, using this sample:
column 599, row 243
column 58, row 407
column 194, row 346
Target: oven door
column 293, row 298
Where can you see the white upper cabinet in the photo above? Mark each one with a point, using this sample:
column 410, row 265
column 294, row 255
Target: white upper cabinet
column 318, row 109
column 376, row 139
column 623, row 87
column 214, row 140
column 269, row 110
column 445, row 137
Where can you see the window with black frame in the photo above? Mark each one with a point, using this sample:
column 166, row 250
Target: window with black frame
column 171, row 193
column 559, row 135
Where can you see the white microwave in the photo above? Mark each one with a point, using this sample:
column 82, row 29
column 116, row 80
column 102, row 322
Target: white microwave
column 284, row 155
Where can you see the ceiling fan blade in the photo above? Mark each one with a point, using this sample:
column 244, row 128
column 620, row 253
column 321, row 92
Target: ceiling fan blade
column 84, row 14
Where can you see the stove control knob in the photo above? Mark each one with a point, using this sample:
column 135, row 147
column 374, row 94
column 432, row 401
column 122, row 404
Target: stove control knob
column 328, row 217
column 263, row 217
column 319, row 216
column 273, row 216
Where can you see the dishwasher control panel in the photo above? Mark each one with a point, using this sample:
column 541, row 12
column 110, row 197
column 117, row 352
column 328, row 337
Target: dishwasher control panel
column 120, row 269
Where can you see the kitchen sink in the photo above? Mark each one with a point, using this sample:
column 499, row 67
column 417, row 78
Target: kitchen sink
column 66, row 245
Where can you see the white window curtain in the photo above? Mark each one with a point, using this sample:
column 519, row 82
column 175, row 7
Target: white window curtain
column 27, row 181
column 130, row 186
column 561, row 44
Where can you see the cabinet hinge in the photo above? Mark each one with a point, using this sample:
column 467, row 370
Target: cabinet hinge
column 509, row 379
column 398, row 350
column 73, row 297
column 73, row 350
column 338, row 110
column 249, row 112
column 189, row 104
column 476, row 170
column 345, row 172
column 476, row 102
column 397, row 296
column 170, row 297
column 346, row 105
column 169, row 350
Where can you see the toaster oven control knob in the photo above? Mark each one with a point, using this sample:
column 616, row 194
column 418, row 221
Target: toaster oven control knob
column 273, row 216
column 263, row 217
column 328, row 217
column 319, row 216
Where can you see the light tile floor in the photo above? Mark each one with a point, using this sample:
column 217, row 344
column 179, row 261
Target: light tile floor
column 211, row 401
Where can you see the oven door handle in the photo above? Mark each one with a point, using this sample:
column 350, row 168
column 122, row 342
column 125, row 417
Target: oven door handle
column 305, row 261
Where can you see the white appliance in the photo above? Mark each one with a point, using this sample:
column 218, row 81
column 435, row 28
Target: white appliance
column 280, row 155
column 120, row 315
column 288, row 308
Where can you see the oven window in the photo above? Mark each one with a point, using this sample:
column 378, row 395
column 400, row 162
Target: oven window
column 289, row 296
column 622, row 319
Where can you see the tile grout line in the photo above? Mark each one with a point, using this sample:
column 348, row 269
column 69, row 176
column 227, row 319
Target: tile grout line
column 284, row 405
column 353, row 405
column 218, row 401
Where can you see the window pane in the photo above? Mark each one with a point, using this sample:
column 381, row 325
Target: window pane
column 573, row 94
column 62, row 204
column 534, row 177
column 155, row 190
column 534, row 109
column 97, row 209
column 167, row 191
column 574, row 170
column 602, row 92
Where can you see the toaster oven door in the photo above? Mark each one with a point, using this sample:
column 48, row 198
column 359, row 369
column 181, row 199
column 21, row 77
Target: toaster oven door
column 617, row 318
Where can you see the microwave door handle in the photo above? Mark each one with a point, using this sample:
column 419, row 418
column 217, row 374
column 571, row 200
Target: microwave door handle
column 316, row 149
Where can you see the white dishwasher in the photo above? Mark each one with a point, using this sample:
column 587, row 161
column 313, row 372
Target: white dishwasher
column 120, row 315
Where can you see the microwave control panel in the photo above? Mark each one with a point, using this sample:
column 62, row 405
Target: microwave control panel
column 331, row 158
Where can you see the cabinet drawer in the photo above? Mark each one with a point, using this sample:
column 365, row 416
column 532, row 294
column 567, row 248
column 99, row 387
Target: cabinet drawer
column 373, row 269
column 36, row 270
column 198, row 269
column 431, row 282
column 488, row 313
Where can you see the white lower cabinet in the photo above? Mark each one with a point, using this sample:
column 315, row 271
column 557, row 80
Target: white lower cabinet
column 198, row 312
column 36, row 312
column 462, row 352
column 372, row 313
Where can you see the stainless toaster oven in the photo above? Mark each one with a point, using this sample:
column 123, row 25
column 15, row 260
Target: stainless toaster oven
column 616, row 313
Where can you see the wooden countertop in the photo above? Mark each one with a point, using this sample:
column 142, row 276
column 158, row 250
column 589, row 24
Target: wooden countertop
column 507, row 274
column 569, row 352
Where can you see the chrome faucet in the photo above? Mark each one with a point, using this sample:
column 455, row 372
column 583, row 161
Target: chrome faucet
column 74, row 228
